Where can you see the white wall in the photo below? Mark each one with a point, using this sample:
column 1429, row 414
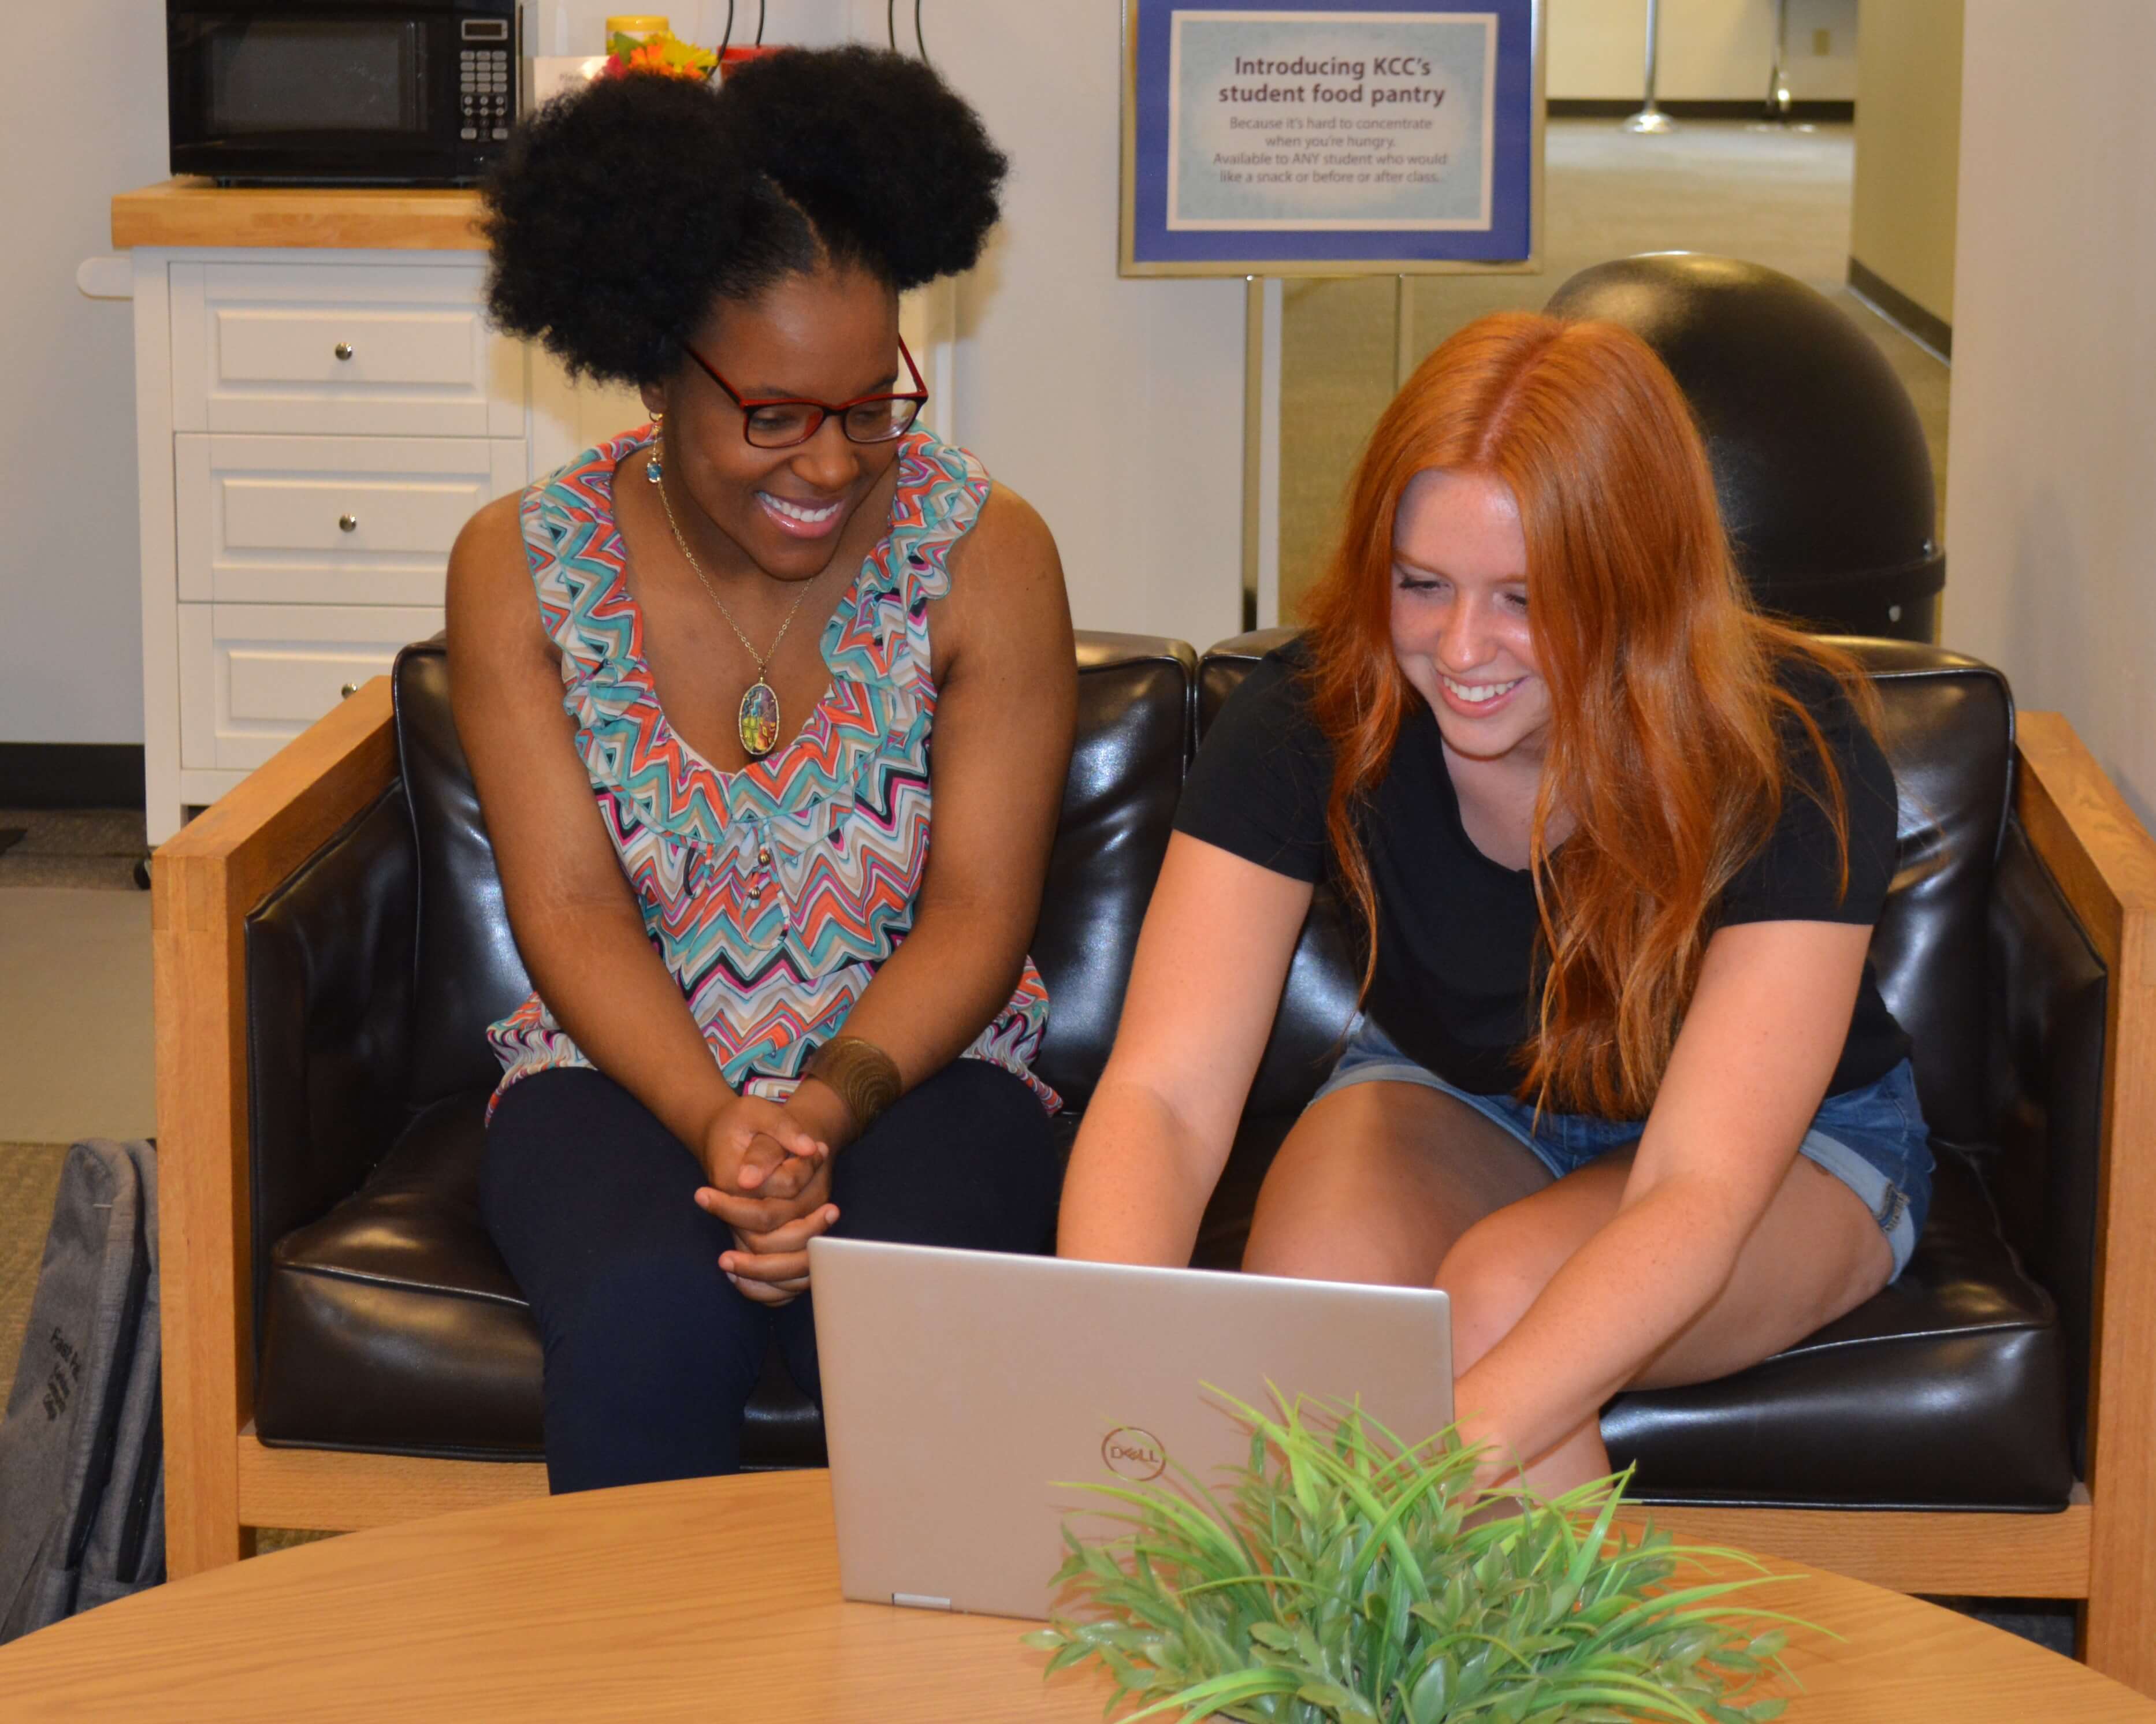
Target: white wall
column 1711, row 50
column 1115, row 407
column 2051, row 506
column 79, row 119
column 1903, row 200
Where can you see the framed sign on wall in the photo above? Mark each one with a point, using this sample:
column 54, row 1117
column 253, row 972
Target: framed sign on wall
column 1331, row 137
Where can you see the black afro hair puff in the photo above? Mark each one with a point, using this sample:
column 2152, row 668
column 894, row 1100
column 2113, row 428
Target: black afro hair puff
column 622, row 211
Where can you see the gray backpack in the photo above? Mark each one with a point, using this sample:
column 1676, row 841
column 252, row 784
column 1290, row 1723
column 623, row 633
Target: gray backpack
column 82, row 1472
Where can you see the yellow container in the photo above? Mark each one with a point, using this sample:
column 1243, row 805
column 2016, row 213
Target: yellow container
column 641, row 26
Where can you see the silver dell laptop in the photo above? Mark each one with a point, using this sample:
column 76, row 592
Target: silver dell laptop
column 965, row 1392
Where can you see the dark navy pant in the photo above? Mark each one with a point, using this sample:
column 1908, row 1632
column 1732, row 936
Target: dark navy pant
column 650, row 1352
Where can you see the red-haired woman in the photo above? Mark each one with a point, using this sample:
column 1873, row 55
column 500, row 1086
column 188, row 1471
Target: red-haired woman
column 1623, row 1082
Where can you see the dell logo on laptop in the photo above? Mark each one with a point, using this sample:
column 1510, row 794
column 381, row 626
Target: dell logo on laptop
column 1133, row 1452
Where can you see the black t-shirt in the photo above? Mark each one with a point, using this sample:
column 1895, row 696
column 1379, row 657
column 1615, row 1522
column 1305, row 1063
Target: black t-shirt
column 1455, row 929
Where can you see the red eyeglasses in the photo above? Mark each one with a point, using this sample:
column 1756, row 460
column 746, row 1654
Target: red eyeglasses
column 783, row 422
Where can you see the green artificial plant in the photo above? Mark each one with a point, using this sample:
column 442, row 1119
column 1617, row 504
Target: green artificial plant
column 1355, row 1580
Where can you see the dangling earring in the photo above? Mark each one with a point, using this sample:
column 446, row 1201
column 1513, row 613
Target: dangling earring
column 652, row 474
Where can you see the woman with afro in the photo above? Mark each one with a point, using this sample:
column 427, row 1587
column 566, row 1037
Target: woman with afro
column 697, row 673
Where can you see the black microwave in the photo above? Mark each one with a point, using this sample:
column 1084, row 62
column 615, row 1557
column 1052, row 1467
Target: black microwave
column 341, row 92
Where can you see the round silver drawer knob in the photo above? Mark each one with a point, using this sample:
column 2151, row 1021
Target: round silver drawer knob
column 344, row 350
column 349, row 690
column 347, row 523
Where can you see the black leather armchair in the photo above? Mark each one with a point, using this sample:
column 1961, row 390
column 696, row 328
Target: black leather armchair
column 345, row 1348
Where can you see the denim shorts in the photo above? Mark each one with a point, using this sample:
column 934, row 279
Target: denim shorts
column 1873, row 1140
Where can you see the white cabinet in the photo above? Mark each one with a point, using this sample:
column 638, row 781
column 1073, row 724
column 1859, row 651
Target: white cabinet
column 253, row 676
column 314, row 428
column 397, row 349
column 330, row 520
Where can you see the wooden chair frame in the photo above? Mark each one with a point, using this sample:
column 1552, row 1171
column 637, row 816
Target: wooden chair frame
column 222, row 1482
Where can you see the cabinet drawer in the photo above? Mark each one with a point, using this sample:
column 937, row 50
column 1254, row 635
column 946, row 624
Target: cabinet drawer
column 378, row 349
column 330, row 520
column 253, row 676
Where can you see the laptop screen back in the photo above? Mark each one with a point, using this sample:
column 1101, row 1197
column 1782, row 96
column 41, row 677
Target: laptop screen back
column 964, row 1391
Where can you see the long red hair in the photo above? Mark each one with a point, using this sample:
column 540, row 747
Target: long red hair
column 1668, row 707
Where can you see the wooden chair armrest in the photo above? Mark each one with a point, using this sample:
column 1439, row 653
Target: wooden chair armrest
column 205, row 881
column 2102, row 856
column 2105, row 863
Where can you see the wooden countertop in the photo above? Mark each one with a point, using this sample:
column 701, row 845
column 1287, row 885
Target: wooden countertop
column 197, row 211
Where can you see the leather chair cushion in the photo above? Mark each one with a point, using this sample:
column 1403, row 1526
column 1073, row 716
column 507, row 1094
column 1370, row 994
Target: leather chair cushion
column 1948, row 1388
column 326, row 1057
column 1119, row 801
column 2044, row 1070
column 394, row 1325
column 467, row 972
column 1948, row 726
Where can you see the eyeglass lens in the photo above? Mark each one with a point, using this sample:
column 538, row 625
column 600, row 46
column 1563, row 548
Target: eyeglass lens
column 868, row 422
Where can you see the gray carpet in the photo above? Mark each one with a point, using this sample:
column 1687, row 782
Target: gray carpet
column 92, row 848
column 77, row 1046
column 29, row 1175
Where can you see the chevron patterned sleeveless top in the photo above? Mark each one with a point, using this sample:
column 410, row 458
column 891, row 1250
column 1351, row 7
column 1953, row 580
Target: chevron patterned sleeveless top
column 772, row 894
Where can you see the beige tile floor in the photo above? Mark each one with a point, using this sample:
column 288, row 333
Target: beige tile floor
column 75, row 1014
column 75, row 1050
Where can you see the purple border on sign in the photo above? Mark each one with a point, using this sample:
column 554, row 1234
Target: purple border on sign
column 1509, row 238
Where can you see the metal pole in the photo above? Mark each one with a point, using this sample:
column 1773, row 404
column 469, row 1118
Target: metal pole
column 1776, row 118
column 1403, row 336
column 1262, row 454
column 1777, row 87
column 1650, row 118
column 1254, row 411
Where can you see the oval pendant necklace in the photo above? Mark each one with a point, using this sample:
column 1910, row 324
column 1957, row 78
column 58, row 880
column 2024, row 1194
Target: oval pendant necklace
column 757, row 723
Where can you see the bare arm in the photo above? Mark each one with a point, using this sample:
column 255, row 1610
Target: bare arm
column 1212, row 958
column 1007, row 701
column 574, row 915
column 1760, row 1044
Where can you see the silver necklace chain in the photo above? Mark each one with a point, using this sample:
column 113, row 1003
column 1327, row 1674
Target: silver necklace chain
column 712, row 592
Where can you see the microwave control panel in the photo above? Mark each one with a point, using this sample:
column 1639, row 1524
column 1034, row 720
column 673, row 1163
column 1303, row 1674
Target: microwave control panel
column 485, row 101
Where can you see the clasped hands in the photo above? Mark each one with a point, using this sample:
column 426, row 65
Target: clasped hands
column 770, row 1174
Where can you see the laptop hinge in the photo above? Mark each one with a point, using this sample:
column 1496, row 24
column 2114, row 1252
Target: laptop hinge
column 921, row 1601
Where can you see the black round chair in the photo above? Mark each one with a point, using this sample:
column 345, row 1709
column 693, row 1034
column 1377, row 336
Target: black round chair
column 1820, row 461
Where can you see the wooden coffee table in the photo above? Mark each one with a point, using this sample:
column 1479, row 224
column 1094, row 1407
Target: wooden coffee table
column 718, row 1599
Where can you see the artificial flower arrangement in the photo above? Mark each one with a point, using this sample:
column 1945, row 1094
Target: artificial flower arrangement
column 1357, row 1580
column 661, row 52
